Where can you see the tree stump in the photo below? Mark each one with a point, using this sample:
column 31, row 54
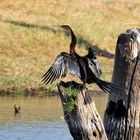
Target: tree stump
column 83, row 119
column 122, row 116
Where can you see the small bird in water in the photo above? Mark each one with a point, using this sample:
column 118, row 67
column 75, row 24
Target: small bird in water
column 17, row 109
column 87, row 67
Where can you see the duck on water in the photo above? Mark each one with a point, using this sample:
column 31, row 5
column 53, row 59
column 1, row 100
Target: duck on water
column 87, row 67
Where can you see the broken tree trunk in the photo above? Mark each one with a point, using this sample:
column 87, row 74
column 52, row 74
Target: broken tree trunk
column 80, row 112
column 122, row 116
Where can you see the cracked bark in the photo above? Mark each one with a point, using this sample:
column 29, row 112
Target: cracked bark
column 123, row 122
column 122, row 115
column 83, row 121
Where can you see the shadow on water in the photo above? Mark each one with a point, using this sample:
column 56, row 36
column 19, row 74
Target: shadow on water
column 81, row 41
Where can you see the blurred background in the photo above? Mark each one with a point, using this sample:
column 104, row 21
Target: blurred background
column 29, row 43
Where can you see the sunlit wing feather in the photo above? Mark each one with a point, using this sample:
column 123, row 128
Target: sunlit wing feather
column 97, row 65
column 74, row 67
column 60, row 67
column 94, row 65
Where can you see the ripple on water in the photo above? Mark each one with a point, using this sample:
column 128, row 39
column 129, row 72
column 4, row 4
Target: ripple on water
column 37, row 130
column 40, row 118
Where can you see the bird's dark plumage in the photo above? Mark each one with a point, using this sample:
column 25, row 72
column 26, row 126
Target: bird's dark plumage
column 87, row 68
column 60, row 67
column 93, row 62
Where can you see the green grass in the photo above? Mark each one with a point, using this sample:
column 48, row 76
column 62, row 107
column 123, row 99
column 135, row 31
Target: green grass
column 29, row 41
column 70, row 102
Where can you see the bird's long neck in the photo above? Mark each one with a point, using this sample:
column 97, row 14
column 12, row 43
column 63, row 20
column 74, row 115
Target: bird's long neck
column 73, row 43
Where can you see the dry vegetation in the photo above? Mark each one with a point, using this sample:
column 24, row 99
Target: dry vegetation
column 29, row 41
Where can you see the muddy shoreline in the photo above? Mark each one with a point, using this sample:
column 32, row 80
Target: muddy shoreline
column 38, row 92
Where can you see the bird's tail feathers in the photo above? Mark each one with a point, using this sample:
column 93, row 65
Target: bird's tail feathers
column 107, row 86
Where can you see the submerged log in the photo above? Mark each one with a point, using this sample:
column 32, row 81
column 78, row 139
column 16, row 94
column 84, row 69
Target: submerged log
column 80, row 112
column 122, row 116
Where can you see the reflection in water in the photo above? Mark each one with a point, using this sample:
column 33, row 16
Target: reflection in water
column 40, row 118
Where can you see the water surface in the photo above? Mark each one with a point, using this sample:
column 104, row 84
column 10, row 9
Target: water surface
column 41, row 118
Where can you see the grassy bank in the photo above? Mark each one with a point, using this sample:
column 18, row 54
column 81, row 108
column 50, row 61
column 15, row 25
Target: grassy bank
column 29, row 42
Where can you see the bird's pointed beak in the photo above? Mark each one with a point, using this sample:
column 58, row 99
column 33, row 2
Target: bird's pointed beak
column 58, row 26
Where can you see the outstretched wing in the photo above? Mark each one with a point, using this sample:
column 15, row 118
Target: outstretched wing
column 97, row 65
column 94, row 66
column 59, row 68
column 93, row 62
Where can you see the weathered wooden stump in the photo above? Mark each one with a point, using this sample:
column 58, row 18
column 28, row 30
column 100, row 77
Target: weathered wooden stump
column 122, row 116
column 83, row 119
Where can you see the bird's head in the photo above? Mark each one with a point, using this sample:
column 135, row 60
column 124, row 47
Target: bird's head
column 66, row 27
column 17, row 107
